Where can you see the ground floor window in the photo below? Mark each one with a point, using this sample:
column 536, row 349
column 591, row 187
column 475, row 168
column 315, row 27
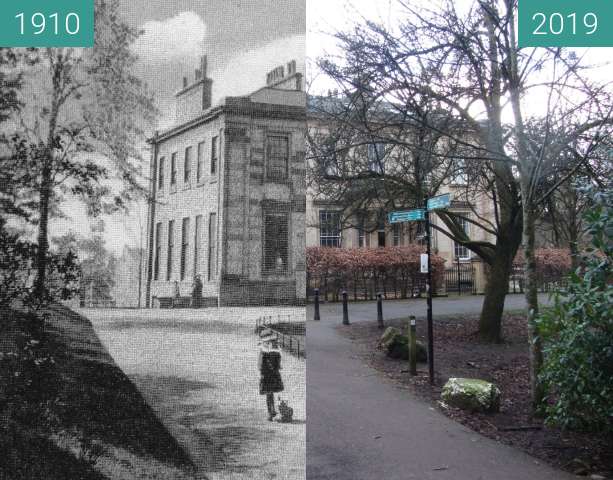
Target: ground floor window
column 197, row 240
column 276, row 243
column 397, row 231
column 158, row 251
column 329, row 228
column 460, row 251
column 381, row 234
column 212, row 247
column 171, row 245
column 184, row 247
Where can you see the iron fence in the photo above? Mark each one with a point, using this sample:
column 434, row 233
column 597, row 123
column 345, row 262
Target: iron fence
column 547, row 280
column 460, row 279
column 281, row 326
column 365, row 287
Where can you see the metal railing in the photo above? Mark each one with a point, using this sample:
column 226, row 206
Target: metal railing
column 460, row 279
column 294, row 344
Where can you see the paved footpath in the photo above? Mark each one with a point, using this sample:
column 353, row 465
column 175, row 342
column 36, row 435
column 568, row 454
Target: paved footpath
column 361, row 427
column 198, row 371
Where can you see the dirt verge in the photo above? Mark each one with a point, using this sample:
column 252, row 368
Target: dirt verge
column 459, row 353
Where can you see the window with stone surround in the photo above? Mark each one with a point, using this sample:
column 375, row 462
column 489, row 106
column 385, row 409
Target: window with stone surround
column 158, row 251
column 329, row 228
column 173, row 170
column 197, row 240
column 212, row 247
column 397, row 234
column 277, row 157
column 200, row 162
column 184, row 247
column 461, row 252
column 171, row 245
column 187, row 166
column 214, row 155
column 161, row 167
column 276, row 243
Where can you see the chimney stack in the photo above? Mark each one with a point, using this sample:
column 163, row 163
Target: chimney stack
column 196, row 97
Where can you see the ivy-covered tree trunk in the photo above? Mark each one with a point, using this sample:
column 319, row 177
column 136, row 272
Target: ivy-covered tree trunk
column 531, row 292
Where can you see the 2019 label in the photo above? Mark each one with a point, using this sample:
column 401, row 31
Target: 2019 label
column 565, row 23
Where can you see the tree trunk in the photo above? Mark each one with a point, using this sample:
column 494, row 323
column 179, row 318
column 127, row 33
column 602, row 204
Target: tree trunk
column 46, row 183
column 43, row 241
column 530, row 284
column 573, row 243
column 490, row 321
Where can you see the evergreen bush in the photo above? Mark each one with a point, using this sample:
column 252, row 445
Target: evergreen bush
column 578, row 332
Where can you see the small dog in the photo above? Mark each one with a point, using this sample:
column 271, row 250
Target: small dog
column 287, row 412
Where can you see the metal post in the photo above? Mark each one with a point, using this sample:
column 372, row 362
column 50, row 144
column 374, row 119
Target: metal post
column 345, row 309
column 316, row 315
column 429, row 300
column 412, row 346
column 459, row 283
column 379, row 310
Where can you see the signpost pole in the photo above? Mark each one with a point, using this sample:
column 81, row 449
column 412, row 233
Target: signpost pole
column 429, row 293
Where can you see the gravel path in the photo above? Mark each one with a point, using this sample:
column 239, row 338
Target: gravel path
column 198, row 371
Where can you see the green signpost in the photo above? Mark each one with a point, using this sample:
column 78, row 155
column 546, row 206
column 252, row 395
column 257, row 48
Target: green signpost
column 423, row 214
column 407, row 216
column 439, row 202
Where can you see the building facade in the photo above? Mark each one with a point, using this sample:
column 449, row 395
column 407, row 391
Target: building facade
column 228, row 197
column 331, row 225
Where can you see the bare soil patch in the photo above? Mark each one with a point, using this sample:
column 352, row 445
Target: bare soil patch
column 460, row 353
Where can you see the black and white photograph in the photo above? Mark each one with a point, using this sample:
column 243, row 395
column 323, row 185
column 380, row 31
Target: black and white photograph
column 152, row 212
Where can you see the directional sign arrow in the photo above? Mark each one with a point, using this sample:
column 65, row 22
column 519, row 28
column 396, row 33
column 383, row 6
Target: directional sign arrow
column 439, row 202
column 406, row 216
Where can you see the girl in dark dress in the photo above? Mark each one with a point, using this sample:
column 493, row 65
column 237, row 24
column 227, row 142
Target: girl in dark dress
column 269, row 364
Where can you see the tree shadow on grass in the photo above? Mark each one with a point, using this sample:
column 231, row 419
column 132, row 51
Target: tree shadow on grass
column 99, row 400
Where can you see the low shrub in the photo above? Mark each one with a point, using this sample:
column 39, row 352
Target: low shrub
column 578, row 333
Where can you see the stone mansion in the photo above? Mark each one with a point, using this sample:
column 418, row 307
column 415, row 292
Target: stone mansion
column 228, row 196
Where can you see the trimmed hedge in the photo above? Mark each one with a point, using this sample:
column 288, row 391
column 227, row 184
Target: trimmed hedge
column 365, row 271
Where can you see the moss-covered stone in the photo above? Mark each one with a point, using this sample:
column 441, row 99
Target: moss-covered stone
column 471, row 394
column 388, row 337
column 396, row 345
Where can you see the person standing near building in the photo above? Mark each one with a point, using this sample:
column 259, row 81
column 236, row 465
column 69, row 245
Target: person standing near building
column 269, row 365
column 197, row 292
